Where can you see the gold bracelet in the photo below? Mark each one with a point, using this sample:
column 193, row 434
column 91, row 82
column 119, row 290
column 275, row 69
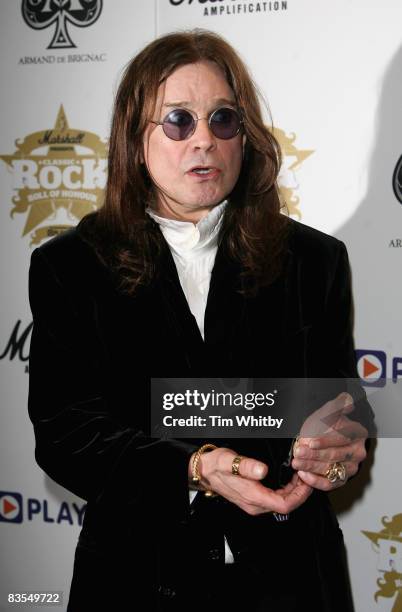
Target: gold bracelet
column 196, row 473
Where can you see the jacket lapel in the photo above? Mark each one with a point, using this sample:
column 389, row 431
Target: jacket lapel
column 178, row 313
column 224, row 309
column 243, row 336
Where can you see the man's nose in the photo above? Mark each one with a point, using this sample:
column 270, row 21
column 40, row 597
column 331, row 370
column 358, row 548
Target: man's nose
column 203, row 137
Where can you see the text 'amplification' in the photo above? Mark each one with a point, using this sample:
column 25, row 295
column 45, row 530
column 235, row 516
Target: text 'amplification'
column 203, row 401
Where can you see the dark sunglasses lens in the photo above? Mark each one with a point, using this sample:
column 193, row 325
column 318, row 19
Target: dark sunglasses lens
column 225, row 123
column 178, row 125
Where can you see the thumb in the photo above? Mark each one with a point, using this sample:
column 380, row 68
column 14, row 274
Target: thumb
column 252, row 468
column 335, row 409
column 348, row 405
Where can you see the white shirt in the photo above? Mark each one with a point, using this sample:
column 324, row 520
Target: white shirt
column 194, row 247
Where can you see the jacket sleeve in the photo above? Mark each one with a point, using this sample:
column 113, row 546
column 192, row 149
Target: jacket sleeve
column 338, row 335
column 79, row 443
column 339, row 321
column 332, row 348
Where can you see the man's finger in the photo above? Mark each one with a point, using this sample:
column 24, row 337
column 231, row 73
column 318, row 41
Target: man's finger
column 349, row 452
column 343, row 437
column 247, row 467
column 298, row 495
column 318, row 467
column 319, row 482
column 327, row 416
column 278, row 501
column 343, row 404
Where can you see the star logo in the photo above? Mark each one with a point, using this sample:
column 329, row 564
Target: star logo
column 387, row 543
column 293, row 158
column 58, row 176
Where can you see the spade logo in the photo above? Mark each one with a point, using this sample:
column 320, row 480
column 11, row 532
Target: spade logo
column 397, row 180
column 41, row 14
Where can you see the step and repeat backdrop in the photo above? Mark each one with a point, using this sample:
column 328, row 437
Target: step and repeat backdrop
column 330, row 72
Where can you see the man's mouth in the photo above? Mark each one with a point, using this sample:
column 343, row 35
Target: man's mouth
column 204, row 171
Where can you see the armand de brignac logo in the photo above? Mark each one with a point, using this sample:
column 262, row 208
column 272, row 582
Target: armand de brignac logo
column 397, row 180
column 41, row 14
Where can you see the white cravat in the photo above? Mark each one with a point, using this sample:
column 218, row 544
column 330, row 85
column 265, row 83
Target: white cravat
column 194, row 247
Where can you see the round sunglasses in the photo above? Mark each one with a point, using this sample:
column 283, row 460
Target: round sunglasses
column 179, row 124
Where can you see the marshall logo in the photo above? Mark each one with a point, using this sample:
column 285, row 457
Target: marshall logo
column 397, row 180
column 58, row 175
column 225, row 7
column 18, row 344
column 293, row 158
column 388, row 545
column 41, row 14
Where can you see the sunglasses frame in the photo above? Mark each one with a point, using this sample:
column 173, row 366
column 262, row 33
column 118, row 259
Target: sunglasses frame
column 196, row 119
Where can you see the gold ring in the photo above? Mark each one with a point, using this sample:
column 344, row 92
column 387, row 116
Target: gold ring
column 335, row 472
column 236, row 465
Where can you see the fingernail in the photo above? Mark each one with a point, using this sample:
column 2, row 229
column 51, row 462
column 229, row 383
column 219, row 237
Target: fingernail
column 347, row 399
column 258, row 471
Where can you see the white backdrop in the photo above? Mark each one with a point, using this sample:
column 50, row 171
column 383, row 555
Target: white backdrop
column 331, row 74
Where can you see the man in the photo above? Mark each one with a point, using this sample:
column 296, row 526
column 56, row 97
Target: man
column 190, row 269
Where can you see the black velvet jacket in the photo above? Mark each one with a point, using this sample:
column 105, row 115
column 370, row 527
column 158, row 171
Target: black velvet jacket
column 93, row 351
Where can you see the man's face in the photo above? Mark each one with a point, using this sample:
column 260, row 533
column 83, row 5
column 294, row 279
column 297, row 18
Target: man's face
column 200, row 88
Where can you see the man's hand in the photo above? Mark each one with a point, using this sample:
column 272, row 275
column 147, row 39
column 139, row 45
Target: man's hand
column 244, row 489
column 329, row 436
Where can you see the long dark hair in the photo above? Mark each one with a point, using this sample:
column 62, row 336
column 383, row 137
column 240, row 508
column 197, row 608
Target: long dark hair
column 253, row 230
